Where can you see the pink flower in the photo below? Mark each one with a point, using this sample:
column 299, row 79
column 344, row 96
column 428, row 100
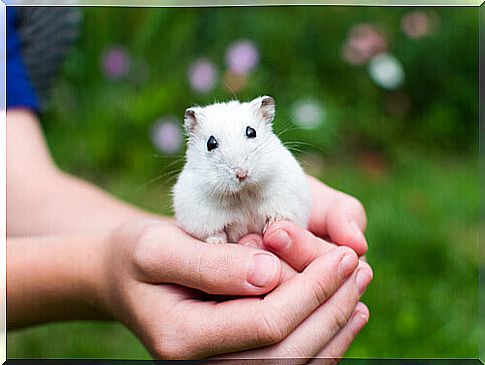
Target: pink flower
column 364, row 42
column 416, row 24
column 166, row 135
column 202, row 75
column 115, row 62
column 242, row 56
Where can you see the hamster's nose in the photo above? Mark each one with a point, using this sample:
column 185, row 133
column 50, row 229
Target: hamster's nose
column 241, row 174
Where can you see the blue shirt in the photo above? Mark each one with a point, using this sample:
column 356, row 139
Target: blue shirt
column 20, row 92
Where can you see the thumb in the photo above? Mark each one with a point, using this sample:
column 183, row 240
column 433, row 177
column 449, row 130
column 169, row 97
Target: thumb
column 346, row 224
column 171, row 256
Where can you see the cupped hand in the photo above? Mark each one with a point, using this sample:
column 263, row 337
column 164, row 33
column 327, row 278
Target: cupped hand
column 329, row 330
column 337, row 216
column 154, row 274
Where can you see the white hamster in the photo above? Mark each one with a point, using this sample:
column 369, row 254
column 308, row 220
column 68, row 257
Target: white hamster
column 238, row 176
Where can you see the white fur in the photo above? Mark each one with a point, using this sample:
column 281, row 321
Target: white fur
column 210, row 202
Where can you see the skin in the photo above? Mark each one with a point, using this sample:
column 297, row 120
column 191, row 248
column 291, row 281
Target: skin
column 138, row 268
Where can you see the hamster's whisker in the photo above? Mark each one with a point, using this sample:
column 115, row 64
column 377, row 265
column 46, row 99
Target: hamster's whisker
column 291, row 144
column 231, row 90
column 289, row 126
column 261, row 146
column 170, row 175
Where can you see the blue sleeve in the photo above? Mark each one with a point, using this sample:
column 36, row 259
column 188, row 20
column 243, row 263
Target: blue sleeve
column 20, row 92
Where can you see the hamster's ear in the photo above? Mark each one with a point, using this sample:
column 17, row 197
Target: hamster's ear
column 190, row 119
column 265, row 108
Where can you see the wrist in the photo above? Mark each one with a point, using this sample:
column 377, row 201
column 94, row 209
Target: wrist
column 91, row 276
column 54, row 278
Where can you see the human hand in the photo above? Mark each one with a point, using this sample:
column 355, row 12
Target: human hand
column 342, row 219
column 337, row 216
column 144, row 260
column 329, row 331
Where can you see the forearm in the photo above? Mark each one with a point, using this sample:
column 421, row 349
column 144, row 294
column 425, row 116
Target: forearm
column 54, row 278
column 41, row 200
column 64, row 204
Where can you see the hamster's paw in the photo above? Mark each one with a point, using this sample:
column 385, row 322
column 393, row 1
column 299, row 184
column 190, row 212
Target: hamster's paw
column 215, row 240
column 271, row 220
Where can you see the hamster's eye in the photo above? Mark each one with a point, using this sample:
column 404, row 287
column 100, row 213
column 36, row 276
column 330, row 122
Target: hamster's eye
column 250, row 132
column 212, row 144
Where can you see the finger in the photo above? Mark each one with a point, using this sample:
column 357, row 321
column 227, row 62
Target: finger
column 336, row 349
column 264, row 321
column 287, row 271
column 256, row 241
column 338, row 216
column 346, row 224
column 252, row 240
column 227, row 269
column 295, row 245
column 327, row 321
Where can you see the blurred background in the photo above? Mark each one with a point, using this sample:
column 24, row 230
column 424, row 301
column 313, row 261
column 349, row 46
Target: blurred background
column 378, row 102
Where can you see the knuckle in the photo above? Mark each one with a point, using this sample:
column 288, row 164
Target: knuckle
column 338, row 317
column 213, row 267
column 148, row 231
column 272, row 326
column 174, row 343
column 294, row 350
column 141, row 256
column 332, row 358
column 356, row 204
column 320, row 291
column 145, row 247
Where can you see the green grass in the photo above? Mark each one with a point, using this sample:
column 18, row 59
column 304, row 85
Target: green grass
column 423, row 236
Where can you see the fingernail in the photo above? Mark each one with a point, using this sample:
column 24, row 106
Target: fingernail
column 359, row 234
column 263, row 270
column 362, row 279
column 359, row 320
column 348, row 264
column 279, row 239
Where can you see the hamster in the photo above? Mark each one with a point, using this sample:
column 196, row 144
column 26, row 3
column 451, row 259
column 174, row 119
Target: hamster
column 238, row 176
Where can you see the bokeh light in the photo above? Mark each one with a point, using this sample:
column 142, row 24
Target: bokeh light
column 386, row 71
column 115, row 62
column 242, row 57
column 308, row 113
column 416, row 24
column 202, row 75
column 166, row 135
column 364, row 42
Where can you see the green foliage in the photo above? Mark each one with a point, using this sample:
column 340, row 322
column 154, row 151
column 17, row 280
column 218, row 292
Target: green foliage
column 407, row 154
